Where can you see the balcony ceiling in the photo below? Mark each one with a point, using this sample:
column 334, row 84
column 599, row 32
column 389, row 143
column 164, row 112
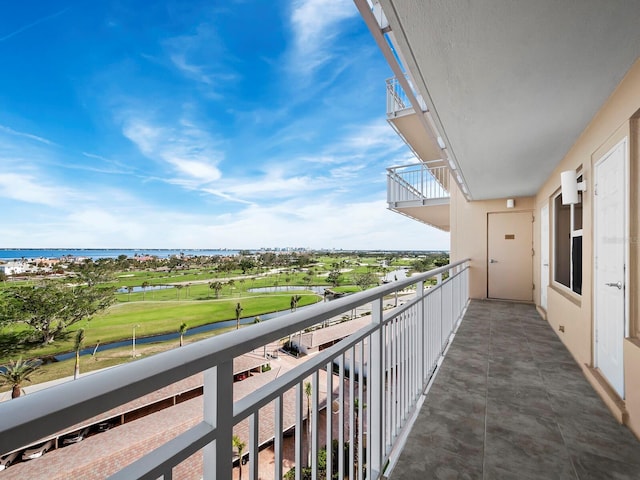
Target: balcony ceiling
column 513, row 83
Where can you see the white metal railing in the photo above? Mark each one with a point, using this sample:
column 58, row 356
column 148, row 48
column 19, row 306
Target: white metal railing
column 397, row 99
column 364, row 389
column 417, row 182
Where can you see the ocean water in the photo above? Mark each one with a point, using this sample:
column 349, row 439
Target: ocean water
column 15, row 254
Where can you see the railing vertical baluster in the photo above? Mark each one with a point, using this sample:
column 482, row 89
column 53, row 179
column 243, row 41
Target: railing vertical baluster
column 299, row 430
column 218, row 412
column 315, row 386
column 254, row 440
column 376, row 376
column 341, row 419
column 361, row 417
column 329, row 420
column 277, row 432
column 352, row 354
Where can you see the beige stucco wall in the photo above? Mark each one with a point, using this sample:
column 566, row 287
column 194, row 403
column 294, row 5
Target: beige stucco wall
column 608, row 127
column 618, row 118
column 469, row 234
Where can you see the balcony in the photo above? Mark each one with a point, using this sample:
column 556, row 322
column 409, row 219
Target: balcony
column 361, row 393
column 411, row 188
column 410, row 122
column 444, row 388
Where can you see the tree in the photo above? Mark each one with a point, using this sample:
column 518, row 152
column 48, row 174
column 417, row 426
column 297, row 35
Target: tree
column 246, row 264
column 217, row 286
column 129, row 290
column 239, row 445
column 365, row 280
column 294, row 302
column 334, row 277
column 182, row 330
column 179, row 287
column 231, row 284
column 144, row 289
column 50, row 308
column 238, row 312
column 77, row 346
column 16, row 373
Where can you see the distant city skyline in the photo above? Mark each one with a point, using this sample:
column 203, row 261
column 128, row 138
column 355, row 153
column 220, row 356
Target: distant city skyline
column 189, row 124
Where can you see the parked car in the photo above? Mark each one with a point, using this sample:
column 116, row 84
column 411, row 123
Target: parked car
column 37, row 450
column 75, row 437
column 103, row 426
column 8, row 459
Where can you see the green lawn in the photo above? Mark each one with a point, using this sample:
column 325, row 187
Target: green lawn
column 156, row 317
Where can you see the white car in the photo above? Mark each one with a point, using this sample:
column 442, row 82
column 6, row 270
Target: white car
column 8, row 459
column 37, row 450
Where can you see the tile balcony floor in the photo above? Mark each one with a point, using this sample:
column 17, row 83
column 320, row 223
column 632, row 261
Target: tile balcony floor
column 510, row 402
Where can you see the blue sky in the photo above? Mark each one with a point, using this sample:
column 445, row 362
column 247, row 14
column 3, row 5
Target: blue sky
column 175, row 124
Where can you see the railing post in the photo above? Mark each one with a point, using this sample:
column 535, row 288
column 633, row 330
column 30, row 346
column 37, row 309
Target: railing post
column 218, row 412
column 421, row 332
column 375, row 442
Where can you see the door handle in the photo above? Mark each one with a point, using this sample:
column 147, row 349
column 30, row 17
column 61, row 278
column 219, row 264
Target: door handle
column 545, row 264
column 493, row 261
column 616, row 284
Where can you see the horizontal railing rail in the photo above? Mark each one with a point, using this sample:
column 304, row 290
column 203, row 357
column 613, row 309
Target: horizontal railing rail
column 359, row 392
column 417, row 182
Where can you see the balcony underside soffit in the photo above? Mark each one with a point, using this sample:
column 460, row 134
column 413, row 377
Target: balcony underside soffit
column 512, row 84
column 434, row 212
column 408, row 125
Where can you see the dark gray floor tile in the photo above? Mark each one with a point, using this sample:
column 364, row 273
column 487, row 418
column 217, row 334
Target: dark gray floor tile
column 454, row 431
column 510, row 402
column 595, row 467
column 526, row 455
column 435, row 464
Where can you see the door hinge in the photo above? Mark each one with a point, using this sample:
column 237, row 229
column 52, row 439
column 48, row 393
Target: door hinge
column 533, row 252
column 533, row 287
column 595, row 189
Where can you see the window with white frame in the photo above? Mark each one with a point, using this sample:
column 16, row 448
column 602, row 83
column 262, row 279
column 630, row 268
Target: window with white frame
column 568, row 243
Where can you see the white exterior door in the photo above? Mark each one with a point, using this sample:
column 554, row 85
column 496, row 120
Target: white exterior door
column 610, row 208
column 544, row 255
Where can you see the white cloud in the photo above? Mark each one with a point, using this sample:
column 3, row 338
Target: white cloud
column 314, row 24
column 188, row 149
column 26, row 188
column 29, row 136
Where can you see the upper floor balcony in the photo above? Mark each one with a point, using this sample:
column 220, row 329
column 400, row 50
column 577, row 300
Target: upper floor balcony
column 411, row 188
column 411, row 122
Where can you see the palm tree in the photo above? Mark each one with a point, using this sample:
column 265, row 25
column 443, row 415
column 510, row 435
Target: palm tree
column 239, row 445
column 238, row 312
column 144, row 289
column 129, row 290
column 182, row 330
column 77, row 346
column 217, row 286
column 179, row 287
column 294, row 302
column 241, row 285
column 231, row 283
column 16, row 373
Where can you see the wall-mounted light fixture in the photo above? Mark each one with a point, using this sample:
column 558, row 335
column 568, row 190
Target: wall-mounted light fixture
column 511, row 203
column 570, row 187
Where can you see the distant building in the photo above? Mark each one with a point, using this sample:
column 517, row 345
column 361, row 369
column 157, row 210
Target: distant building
column 13, row 268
